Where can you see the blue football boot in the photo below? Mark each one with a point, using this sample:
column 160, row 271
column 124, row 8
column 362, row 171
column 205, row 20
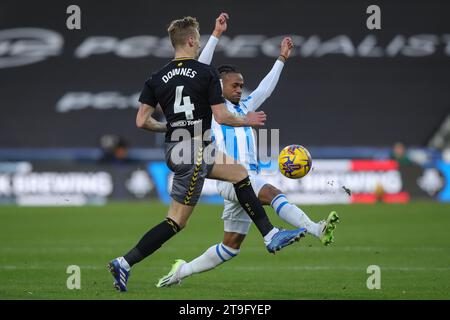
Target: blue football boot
column 120, row 275
column 284, row 238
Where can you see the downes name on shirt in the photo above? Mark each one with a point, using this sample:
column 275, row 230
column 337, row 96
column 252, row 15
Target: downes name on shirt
column 188, row 72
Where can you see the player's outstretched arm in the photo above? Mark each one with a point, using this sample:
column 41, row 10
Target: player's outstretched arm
column 223, row 116
column 268, row 84
column 144, row 119
column 220, row 27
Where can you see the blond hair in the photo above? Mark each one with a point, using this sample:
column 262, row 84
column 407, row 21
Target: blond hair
column 180, row 30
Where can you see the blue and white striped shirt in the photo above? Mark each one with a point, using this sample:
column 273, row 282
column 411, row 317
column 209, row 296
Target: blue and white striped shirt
column 239, row 142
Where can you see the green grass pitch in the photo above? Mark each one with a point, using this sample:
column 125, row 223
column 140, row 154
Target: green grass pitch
column 410, row 243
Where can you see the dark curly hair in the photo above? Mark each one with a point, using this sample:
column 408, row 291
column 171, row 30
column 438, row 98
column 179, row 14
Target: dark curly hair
column 227, row 68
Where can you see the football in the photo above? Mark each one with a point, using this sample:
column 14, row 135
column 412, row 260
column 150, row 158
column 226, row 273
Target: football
column 294, row 161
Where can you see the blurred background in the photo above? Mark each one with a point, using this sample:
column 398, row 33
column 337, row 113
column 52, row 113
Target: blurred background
column 372, row 106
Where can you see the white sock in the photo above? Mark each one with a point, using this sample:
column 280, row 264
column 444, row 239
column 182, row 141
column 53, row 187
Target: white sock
column 294, row 215
column 124, row 264
column 269, row 236
column 211, row 258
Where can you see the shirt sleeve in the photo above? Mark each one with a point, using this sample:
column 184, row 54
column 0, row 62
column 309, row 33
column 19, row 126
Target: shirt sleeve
column 148, row 94
column 215, row 89
column 265, row 88
column 207, row 52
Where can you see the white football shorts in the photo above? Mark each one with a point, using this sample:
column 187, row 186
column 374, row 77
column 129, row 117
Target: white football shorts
column 235, row 218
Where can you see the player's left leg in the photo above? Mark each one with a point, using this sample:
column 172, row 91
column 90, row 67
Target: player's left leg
column 236, row 225
column 323, row 230
column 210, row 259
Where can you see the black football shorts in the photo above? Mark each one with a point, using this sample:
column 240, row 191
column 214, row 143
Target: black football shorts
column 191, row 161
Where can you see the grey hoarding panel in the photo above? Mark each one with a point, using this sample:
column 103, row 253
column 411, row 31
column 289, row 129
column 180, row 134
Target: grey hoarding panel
column 345, row 84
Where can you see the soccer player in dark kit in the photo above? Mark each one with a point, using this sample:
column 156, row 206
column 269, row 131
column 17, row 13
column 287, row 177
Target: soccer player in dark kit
column 189, row 93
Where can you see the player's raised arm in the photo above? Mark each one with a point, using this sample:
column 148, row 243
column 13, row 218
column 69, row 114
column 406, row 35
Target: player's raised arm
column 220, row 27
column 144, row 119
column 267, row 85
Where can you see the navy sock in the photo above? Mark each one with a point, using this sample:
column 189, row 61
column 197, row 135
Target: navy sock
column 249, row 201
column 152, row 241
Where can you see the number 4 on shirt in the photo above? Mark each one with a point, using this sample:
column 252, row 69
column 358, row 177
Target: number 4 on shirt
column 187, row 107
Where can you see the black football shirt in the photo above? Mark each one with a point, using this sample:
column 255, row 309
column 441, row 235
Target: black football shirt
column 185, row 90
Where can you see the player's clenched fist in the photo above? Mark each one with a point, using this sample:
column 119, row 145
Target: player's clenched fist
column 286, row 46
column 221, row 24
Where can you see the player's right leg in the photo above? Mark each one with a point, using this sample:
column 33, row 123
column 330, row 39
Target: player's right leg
column 225, row 168
column 289, row 212
column 176, row 219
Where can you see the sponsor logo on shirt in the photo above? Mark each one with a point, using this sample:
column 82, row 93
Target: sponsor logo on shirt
column 183, row 123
